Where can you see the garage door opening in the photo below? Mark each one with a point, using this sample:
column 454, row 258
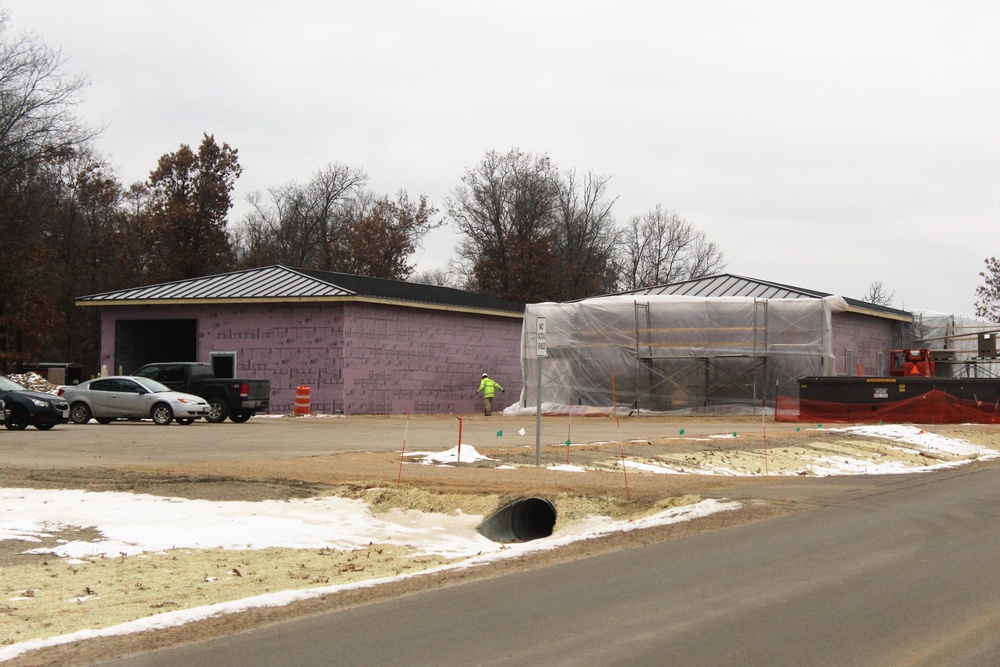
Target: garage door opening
column 139, row 342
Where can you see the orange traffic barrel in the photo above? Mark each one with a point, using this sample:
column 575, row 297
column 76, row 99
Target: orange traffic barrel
column 302, row 400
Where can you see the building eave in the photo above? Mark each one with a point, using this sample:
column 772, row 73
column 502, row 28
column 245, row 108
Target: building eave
column 90, row 303
column 898, row 317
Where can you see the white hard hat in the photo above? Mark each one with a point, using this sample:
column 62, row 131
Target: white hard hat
column 484, row 374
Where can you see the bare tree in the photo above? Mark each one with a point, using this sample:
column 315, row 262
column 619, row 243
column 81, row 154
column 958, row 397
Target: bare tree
column 440, row 277
column 382, row 235
column 39, row 131
column 332, row 223
column 586, row 237
column 301, row 224
column 879, row 295
column 505, row 208
column 660, row 247
column 254, row 237
column 85, row 211
column 37, row 101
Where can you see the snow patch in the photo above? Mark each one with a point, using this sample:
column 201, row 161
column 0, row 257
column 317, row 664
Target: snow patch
column 460, row 454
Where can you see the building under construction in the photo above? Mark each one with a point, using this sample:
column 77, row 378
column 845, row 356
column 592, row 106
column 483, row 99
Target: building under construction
column 954, row 382
column 961, row 347
column 722, row 345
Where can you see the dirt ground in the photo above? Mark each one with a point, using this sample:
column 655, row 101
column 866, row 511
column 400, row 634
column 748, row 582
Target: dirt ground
column 771, row 475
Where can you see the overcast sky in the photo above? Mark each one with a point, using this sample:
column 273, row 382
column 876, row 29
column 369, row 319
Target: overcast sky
column 821, row 144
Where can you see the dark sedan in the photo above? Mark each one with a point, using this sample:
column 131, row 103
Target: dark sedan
column 43, row 411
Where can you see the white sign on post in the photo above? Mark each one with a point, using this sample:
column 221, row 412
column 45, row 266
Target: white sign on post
column 540, row 351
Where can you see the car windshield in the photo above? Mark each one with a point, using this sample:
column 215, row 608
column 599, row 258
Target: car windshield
column 6, row 384
column 152, row 385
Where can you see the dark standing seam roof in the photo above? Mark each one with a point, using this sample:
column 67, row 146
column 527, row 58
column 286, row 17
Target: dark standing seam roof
column 727, row 284
column 417, row 292
column 283, row 282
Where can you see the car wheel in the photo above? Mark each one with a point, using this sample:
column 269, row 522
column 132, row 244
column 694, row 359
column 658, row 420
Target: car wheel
column 104, row 420
column 217, row 410
column 162, row 414
column 18, row 419
column 80, row 413
column 240, row 417
column 45, row 427
column 186, row 421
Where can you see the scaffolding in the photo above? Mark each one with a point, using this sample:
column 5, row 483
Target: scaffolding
column 677, row 354
column 961, row 347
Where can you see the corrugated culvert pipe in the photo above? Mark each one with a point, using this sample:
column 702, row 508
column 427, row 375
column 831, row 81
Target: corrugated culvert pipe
column 521, row 521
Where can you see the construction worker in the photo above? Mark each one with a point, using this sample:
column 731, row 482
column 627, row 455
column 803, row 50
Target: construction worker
column 488, row 386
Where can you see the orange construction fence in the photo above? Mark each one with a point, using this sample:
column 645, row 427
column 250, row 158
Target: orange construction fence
column 932, row 407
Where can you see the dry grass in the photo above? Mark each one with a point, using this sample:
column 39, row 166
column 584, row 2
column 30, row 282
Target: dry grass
column 44, row 598
column 58, row 596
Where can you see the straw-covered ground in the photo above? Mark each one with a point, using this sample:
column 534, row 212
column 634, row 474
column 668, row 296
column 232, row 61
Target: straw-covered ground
column 616, row 480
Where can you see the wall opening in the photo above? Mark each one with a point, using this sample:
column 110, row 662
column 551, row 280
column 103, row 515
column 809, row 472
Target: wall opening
column 223, row 364
column 140, row 342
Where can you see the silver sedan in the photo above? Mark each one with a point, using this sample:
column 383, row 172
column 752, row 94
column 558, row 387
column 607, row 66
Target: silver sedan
column 128, row 397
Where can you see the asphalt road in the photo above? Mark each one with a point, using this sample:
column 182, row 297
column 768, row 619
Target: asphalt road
column 900, row 572
column 263, row 438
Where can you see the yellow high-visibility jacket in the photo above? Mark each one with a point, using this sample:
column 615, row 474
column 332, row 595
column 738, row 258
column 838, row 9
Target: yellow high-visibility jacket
column 489, row 386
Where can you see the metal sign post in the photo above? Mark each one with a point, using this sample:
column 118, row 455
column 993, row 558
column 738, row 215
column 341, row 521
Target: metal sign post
column 540, row 351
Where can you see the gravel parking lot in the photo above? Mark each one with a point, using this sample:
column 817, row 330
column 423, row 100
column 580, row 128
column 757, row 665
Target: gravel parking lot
column 264, row 438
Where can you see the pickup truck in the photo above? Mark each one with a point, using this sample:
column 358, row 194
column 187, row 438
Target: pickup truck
column 236, row 398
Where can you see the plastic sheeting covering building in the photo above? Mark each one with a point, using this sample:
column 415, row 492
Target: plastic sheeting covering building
column 680, row 354
column 969, row 340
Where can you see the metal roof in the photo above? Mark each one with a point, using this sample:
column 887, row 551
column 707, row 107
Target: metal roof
column 727, row 284
column 730, row 285
column 284, row 283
